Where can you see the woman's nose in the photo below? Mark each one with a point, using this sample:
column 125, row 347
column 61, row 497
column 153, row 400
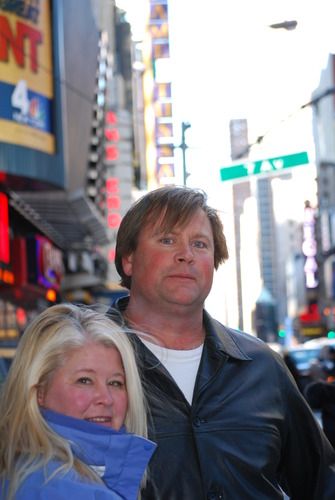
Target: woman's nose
column 104, row 395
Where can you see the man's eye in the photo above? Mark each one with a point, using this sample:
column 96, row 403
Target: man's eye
column 84, row 380
column 200, row 244
column 166, row 241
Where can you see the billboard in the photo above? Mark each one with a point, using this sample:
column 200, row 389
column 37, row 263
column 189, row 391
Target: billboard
column 26, row 75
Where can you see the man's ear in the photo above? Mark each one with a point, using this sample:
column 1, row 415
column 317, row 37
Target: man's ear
column 127, row 264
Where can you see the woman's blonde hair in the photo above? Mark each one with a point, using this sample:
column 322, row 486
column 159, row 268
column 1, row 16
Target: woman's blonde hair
column 27, row 442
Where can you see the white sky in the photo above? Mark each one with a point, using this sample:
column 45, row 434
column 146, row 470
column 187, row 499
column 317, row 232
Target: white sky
column 227, row 63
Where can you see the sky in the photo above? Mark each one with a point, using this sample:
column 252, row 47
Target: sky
column 227, row 63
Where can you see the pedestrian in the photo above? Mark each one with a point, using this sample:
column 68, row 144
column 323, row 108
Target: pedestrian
column 228, row 418
column 320, row 394
column 72, row 411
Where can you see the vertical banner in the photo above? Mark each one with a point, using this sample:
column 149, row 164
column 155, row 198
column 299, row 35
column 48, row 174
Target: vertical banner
column 26, row 74
column 158, row 101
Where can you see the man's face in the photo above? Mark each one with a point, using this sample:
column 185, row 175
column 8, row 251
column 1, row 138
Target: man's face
column 174, row 268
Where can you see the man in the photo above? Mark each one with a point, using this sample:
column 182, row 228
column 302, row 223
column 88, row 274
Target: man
column 320, row 392
column 320, row 395
column 228, row 418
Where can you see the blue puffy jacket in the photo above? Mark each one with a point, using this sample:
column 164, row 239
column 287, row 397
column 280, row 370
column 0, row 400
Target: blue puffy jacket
column 119, row 458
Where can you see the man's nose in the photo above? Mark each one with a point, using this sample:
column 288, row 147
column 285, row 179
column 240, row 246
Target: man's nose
column 185, row 252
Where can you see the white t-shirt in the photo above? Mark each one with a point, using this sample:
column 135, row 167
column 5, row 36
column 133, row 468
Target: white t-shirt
column 181, row 364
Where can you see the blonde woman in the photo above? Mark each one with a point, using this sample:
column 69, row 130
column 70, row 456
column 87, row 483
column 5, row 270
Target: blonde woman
column 72, row 411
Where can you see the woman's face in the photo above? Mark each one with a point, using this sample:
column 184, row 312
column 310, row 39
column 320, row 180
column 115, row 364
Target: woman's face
column 90, row 385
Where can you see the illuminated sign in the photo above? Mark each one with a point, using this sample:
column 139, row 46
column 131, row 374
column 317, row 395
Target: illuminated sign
column 6, row 273
column 7, row 276
column 309, row 248
column 112, row 138
column 45, row 262
column 113, row 203
column 26, row 75
column 4, row 230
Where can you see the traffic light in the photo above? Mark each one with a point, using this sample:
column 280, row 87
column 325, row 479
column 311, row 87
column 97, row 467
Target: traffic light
column 281, row 333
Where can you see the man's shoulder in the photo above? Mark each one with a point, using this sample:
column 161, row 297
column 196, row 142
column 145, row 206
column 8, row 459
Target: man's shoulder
column 235, row 341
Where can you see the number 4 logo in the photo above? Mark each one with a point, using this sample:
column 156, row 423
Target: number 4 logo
column 20, row 98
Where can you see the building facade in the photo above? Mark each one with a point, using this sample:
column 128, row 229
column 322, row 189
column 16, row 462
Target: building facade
column 62, row 192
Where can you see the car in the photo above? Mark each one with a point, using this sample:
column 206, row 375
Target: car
column 299, row 360
column 309, row 360
column 320, row 342
column 6, row 357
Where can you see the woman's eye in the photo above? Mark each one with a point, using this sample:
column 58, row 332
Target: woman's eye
column 84, row 380
column 116, row 383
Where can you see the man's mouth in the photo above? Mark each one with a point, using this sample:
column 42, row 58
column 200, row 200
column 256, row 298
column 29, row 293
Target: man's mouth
column 182, row 276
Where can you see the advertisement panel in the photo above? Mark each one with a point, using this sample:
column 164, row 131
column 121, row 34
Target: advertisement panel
column 26, row 75
column 44, row 262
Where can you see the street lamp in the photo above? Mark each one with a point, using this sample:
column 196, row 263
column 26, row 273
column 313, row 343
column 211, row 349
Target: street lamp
column 285, row 25
column 183, row 146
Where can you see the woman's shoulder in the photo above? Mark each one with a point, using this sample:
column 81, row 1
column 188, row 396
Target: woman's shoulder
column 45, row 484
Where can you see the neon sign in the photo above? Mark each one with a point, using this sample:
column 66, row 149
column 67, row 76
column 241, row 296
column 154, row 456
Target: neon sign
column 309, row 248
column 4, row 230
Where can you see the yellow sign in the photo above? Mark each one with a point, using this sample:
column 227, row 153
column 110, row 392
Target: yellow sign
column 312, row 331
column 26, row 75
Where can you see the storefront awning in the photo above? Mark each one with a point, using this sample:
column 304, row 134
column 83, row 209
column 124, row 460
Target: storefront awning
column 70, row 220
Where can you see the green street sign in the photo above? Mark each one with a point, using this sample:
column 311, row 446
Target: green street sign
column 270, row 165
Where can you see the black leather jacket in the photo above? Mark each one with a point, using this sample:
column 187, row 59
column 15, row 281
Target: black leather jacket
column 248, row 431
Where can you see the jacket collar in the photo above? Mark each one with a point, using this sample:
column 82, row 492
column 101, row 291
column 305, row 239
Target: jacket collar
column 121, row 456
column 223, row 339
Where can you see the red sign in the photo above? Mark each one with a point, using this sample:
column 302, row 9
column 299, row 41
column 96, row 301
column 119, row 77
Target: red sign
column 4, row 230
column 17, row 41
column 113, row 208
column 112, row 137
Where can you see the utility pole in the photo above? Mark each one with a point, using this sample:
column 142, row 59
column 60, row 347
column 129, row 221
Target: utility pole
column 183, row 146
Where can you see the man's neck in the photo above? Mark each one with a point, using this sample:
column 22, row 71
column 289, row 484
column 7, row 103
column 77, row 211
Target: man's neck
column 174, row 331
